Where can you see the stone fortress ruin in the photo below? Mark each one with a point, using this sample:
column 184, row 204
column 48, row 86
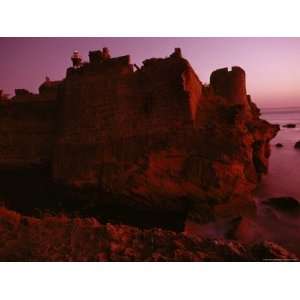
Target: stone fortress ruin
column 151, row 137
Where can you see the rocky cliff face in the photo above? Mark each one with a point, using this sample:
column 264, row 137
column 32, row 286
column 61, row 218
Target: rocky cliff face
column 156, row 137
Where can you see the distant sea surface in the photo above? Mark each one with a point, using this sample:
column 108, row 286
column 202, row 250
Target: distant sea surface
column 283, row 178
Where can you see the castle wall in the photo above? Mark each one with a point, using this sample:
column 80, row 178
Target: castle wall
column 27, row 132
column 28, row 125
column 112, row 115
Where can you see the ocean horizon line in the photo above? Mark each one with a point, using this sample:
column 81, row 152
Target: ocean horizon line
column 280, row 108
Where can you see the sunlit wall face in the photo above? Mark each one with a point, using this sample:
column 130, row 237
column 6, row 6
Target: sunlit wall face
column 272, row 64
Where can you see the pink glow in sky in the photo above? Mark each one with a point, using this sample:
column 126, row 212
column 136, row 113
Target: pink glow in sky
column 272, row 65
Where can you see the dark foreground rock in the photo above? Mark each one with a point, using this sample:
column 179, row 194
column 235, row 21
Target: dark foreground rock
column 58, row 238
column 288, row 204
column 269, row 251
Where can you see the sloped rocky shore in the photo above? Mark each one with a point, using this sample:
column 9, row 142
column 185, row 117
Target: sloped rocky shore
column 59, row 238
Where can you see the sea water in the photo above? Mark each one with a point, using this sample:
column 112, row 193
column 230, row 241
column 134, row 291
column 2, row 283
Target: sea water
column 283, row 178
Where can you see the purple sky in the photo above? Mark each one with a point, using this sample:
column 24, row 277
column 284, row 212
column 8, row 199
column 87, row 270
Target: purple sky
column 272, row 65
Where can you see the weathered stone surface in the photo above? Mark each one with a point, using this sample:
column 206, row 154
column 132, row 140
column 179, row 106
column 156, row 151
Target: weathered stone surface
column 26, row 132
column 156, row 135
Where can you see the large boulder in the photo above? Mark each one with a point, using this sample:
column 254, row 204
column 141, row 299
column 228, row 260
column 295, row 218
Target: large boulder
column 244, row 230
column 287, row 204
column 278, row 145
column 289, row 125
column 297, row 145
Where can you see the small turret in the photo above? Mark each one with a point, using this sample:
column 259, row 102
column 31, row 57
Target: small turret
column 177, row 53
column 3, row 97
column 99, row 56
column 95, row 57
column 76, row 59
column 105, row 53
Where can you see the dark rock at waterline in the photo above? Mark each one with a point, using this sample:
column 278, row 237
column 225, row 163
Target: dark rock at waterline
column 297, row 145
column 288, row 204
column 278, row 145
column 289, row 125
column 270, row 251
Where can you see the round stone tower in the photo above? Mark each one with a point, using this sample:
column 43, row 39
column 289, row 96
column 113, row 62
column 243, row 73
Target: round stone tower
column 230, row 84
column 237, row 85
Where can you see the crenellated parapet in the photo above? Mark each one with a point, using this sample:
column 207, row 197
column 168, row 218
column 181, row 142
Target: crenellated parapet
column 98, row 56
column 23, row 95
column 48, row 91
column 101, row 62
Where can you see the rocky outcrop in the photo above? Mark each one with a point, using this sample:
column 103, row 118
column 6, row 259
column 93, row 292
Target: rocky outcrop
column 155, row 137
column 297, row 145
column 244, row 230
column 289, row 125
column 269, row 251
column 287, row 204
